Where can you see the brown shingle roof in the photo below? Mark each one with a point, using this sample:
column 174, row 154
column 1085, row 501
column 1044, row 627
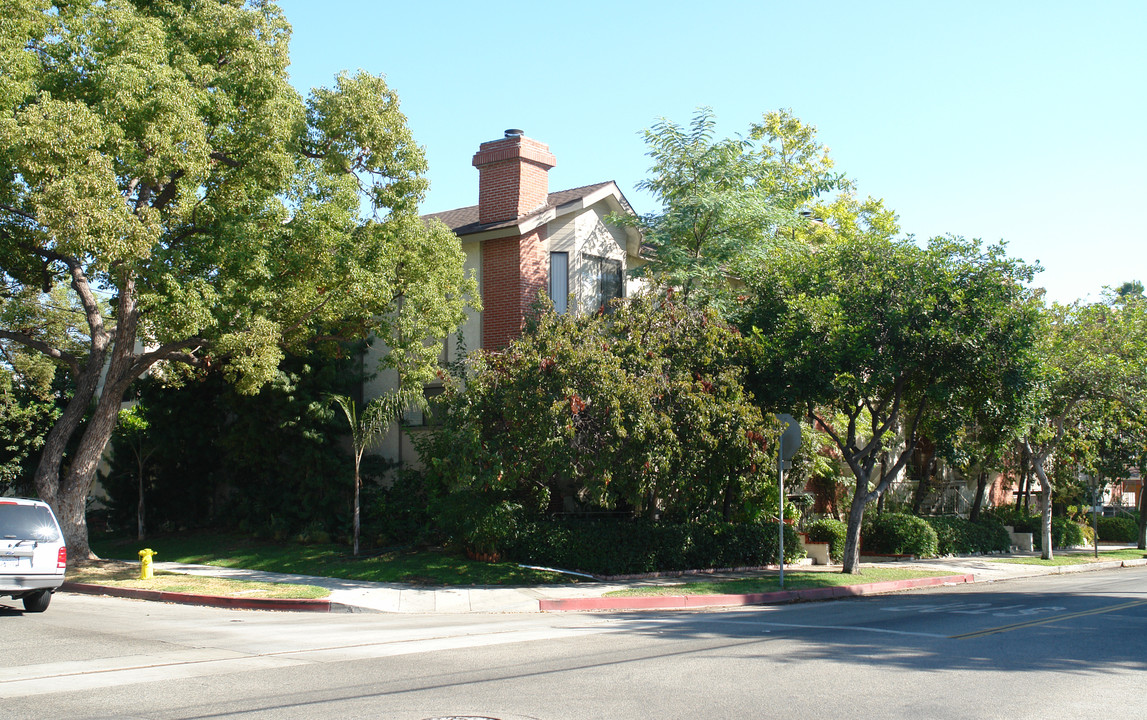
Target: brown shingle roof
column 464, row 221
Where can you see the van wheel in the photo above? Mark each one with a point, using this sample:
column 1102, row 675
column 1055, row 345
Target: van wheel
column 37, row 601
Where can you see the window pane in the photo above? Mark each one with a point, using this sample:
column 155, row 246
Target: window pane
column 612, row 282
column 560, row 280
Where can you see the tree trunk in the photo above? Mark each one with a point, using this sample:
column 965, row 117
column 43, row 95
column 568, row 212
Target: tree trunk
column 924, row 472
column 70, row 490
column 357, row 485
column 1045, row 523
column 1045, row 495
column 978, row 502
column 47, row 476
column 852, row 537
column 883, row 472
column 76, row 483
column 65, row 491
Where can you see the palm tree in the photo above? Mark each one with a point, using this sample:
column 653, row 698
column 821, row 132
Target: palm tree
column 368, row 427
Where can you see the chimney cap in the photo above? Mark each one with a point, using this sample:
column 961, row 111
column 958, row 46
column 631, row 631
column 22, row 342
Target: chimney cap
column 514, row 132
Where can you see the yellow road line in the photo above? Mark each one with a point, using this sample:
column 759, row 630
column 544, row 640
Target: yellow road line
column 1046, row 620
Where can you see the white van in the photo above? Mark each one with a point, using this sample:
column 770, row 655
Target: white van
column 32, row 552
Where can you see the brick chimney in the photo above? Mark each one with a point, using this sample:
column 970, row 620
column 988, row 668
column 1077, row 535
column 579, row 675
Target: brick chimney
column 512, row 177
column 512, row 182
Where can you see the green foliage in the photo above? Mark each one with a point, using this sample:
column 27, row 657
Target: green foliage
column 27, row 410
column 155, row 153
column 898, row 534
column 33, row 391
column 640, row 410
column 1118, row 529
column 1017, row 517
column 712, row 215
column 622, row 547
column 1093, row 386
column 959, row 536
column 725, row 202
column 367, row 429
column 879, row 338
column 271, row 463
column 830, row 531
column 1064, row 533
column 402, row 513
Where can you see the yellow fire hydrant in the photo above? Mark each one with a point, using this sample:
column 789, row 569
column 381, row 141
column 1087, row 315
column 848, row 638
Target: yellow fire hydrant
column 145, row 570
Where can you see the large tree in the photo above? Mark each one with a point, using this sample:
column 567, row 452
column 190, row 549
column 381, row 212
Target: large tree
column 154, row 158
column 1093, row 362
column 871, row 337
column 726, row 201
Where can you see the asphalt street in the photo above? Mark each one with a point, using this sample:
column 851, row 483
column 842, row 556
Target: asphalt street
column 1065, row 646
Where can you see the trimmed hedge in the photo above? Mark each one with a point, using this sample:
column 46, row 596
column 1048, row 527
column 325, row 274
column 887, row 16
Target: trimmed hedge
column 1064, row 533
column 834, row 532
column 898, row 534
column 1118, row 529
column 958, row 536
column 627, row 547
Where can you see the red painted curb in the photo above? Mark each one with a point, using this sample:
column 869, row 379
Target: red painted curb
column 233, row 603
column 680, row 602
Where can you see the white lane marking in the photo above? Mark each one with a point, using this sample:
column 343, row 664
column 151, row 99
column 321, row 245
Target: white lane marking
column 801, row 626
column 130, row 670
column 977, row 609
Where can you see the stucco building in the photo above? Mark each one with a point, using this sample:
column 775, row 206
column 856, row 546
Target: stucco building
column 520, row 240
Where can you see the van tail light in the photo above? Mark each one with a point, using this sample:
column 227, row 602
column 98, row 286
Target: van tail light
column 62, row 558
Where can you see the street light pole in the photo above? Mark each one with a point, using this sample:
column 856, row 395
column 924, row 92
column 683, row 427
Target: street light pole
column 790, row 442
column 781, row 513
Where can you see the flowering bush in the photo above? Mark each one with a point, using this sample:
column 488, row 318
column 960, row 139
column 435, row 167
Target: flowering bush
column 639, row 411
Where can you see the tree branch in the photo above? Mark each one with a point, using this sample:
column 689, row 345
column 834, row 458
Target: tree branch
column 80, row 284
column 226, row 160
column 67, row 358
column 167, row 194
column 174, row 351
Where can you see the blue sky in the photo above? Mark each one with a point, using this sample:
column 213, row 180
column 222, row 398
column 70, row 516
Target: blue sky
column 1016, row 121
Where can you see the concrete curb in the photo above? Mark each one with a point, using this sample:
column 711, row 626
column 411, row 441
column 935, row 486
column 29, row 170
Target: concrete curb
column 681, row 602
column 232, row 603
column 657, row 602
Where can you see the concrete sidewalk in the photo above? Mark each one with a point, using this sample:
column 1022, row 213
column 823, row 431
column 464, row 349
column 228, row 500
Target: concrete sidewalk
column 361, row 596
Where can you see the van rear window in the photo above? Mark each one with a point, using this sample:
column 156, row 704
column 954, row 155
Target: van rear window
column 27, row 522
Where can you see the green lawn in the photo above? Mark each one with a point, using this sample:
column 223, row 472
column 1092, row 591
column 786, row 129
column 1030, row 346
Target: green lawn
column 114, row 574
column 429, row 567
column 1075, row 558
column 797, row 580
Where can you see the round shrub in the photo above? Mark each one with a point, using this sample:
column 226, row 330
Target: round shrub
column 898, row 534
column 832, row 531
column 1065, row 534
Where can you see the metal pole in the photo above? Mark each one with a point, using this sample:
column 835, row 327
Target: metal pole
column 1095, row 517
column 781, row 484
